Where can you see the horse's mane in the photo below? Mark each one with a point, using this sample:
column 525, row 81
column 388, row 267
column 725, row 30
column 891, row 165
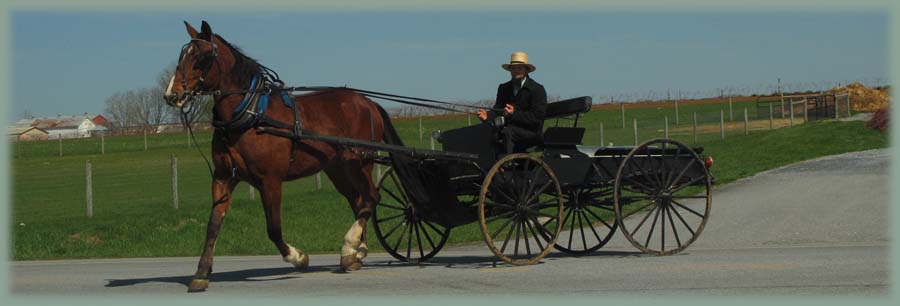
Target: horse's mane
column 244, row 67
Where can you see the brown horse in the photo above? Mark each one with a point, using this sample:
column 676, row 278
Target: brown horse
column 208, row 63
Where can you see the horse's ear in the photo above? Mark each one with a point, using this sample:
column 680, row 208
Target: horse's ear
column 205, row 31
column 191, row 31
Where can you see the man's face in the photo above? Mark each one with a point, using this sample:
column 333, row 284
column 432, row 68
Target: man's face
column 518, row 71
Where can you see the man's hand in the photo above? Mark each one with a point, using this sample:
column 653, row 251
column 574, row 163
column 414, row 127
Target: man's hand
column 509, row 109
column 482, row 114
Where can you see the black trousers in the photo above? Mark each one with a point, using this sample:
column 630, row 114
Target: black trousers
column 517, row 139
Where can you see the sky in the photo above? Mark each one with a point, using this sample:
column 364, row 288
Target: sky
column 70, row 62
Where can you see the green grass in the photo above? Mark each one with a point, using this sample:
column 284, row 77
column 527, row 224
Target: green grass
column 133, row 214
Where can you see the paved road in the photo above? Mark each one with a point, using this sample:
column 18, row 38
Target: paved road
column 809, row 229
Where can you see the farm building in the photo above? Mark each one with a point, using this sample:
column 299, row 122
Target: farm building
column 68, row 126
column 26, row 133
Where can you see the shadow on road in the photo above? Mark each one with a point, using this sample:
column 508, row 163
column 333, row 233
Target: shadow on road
column 285, row 273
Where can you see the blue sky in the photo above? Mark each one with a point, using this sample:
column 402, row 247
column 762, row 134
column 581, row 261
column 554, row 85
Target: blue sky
column 69, row 62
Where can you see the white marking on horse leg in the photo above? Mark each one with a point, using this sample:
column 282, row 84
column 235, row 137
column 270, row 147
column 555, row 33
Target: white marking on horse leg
column 363, row 251
column 297, row 258
column 352, row 239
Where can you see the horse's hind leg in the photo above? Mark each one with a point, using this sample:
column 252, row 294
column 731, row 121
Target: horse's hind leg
column 221, row 192
column 271, row 198
column 353, row 180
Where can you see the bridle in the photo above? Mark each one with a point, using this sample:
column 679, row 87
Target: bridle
column 205, row 60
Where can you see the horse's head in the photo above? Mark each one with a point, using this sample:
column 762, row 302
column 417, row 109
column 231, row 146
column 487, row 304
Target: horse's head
column 199, row 68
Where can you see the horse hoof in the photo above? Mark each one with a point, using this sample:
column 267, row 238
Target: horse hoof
column 303, row 264
column 198, row 285
column 350, row 263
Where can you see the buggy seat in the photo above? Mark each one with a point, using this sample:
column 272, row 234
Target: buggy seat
column 558, row 136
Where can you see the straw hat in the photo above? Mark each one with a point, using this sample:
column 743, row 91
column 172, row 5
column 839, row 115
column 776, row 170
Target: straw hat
column 518, row 58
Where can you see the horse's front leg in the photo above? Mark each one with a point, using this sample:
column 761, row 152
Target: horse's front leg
column 221, row 192
column 271, row 198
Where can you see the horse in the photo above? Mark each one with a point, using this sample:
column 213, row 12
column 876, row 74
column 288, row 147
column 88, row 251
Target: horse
column 240, row 152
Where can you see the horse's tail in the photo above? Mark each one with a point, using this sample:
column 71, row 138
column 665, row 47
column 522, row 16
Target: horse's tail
column 390, row 133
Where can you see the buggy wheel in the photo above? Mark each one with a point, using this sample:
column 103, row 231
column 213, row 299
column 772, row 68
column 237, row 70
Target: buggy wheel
column 399, row 226
column 662, row 196
column 519, row 209
column 588, row 222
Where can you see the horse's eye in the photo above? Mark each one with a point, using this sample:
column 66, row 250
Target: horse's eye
column 202, row 61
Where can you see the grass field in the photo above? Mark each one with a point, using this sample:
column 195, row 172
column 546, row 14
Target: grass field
column 132, row 205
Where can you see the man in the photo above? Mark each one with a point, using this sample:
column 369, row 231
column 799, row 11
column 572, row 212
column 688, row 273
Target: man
column 524, row 103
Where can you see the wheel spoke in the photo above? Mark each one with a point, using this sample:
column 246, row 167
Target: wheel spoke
column 643, row 220
column 571, row 226
column 683, row 171
column 637, row 210
column 389, row 205
column 581, row 228
column 419, row 240
column 535, row 235
column 652, row 227
column 516, row 250
column 542, row 229
column 409, row 241
column 400, row 239
column 669, row 176
column 499, row 216
column 506, row 241
column 391, row 231
column 391, row 218
column 531, row 196
column 662, row 227
column 688, row 209
column 694, row 180
column 428, row 237
column 672, row 223
column 499, row 229
column 598, row 219
column 527, row 240
column 684, row 222
column 399, row 187
column 499, row 191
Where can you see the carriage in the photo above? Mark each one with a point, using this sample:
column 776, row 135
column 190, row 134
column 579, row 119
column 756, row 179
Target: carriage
column 560, row 194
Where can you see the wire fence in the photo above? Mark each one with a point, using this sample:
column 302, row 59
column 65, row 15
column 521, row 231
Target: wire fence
column 103, row 175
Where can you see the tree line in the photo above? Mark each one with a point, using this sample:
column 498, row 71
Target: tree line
column 145, row 109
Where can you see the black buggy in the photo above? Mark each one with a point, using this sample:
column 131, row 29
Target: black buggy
column 561, row 195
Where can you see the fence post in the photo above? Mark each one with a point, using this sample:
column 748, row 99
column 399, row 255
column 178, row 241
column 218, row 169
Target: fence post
column 468, row 120
column 319, row 180
column 695, row 128
column 848, row 105
column 722, row 123
column 771, row 120
column 252, row 192
column 60, row 143
column 730, row 110
column 635, row 131
column 431, row 140
column 835, row 108
column 89, row 191
column 806, row 111
column 667, row 127
column 17, row 146
column 622, row 105
column 746, row 123
column 174, row 182
column 420, row 129
column 676, row 112
column 145, row 140
column 102, row 145
column 792, row 112
column 601, row 133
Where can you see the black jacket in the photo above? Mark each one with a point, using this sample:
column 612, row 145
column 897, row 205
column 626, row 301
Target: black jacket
column 530, row 104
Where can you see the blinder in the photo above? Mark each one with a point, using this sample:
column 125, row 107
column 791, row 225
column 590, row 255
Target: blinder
column 203, row 63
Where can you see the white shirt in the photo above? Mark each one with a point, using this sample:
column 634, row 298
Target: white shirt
column 516, row 91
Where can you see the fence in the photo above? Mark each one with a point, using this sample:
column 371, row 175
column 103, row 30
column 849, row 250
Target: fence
column 165, row 171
